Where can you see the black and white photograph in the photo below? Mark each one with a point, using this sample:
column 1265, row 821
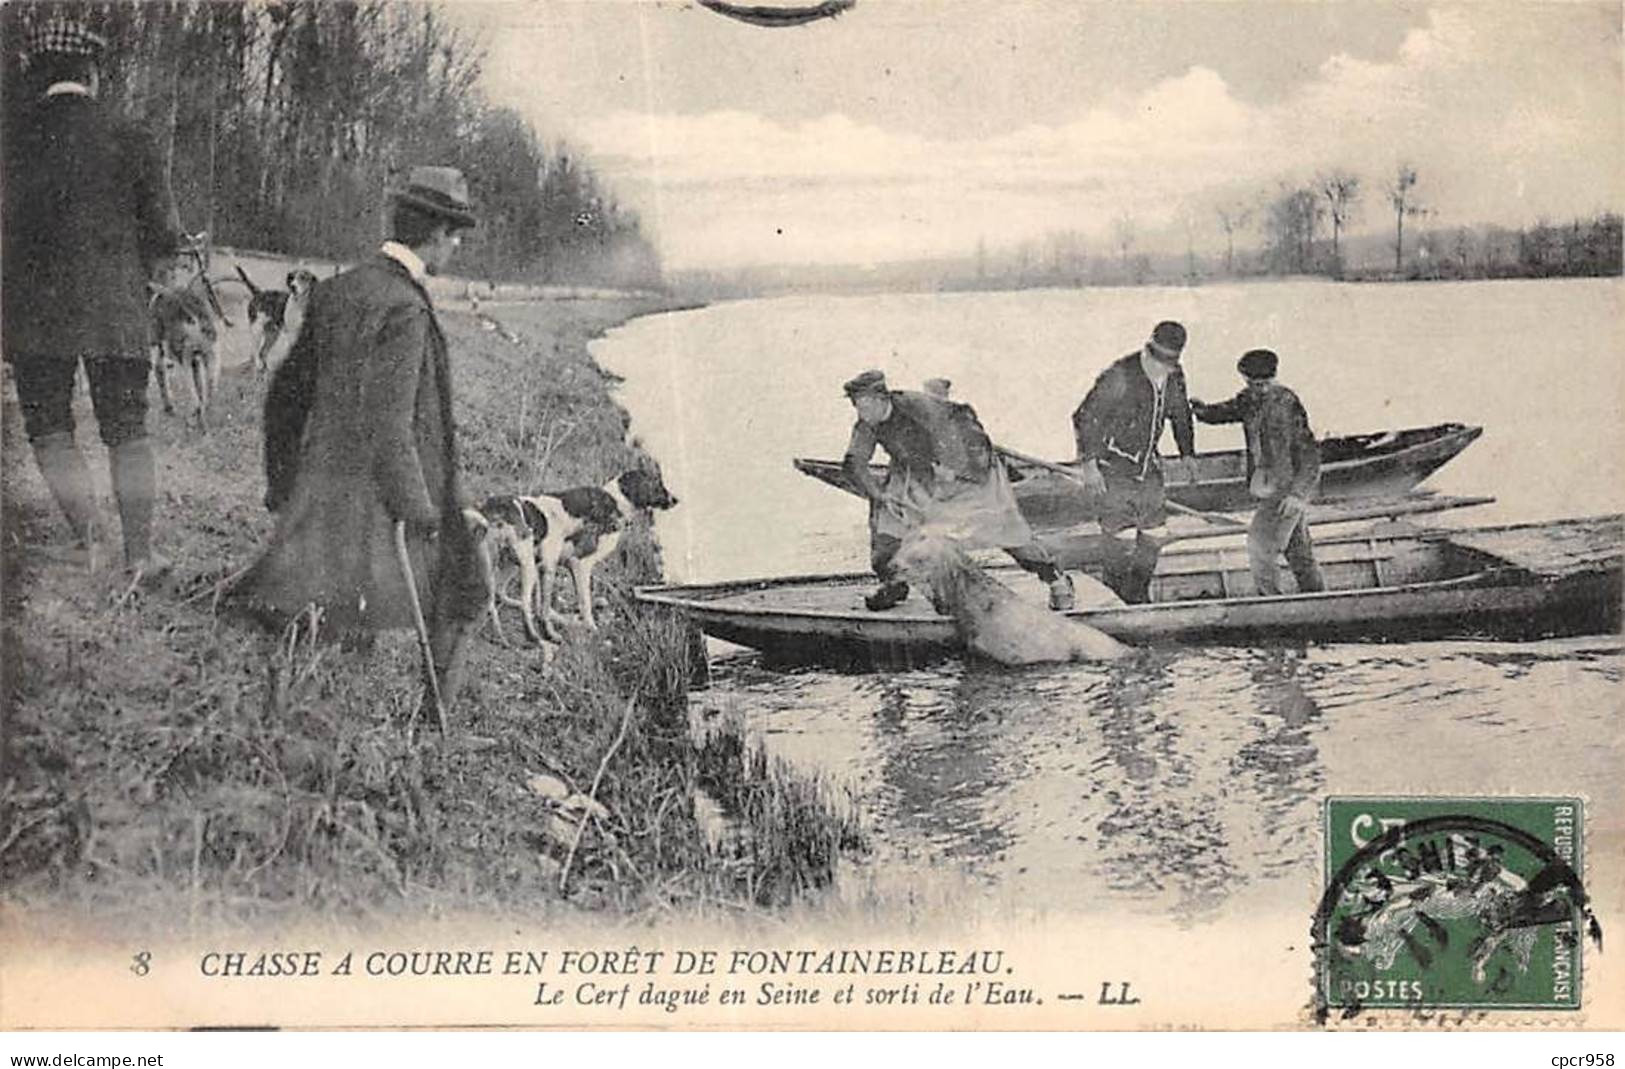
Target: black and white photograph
column 832, row 515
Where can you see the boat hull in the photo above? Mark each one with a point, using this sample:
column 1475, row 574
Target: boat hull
column 1360, row 466
column 1405, row 589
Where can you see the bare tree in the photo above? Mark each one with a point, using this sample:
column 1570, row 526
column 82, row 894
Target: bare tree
column 1401, row 197
column 1124, row 233
column 1233, row 217
column 1342, row 193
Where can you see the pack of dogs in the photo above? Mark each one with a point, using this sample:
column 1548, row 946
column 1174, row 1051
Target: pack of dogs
column 533, row 535
column 184, row 340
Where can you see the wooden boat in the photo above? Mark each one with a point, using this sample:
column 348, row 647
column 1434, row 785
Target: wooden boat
column 1392, row 582
column 1357, row 466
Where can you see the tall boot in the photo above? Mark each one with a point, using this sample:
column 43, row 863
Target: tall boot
column 1142, row 566
column 1116, row 566
column 135, row 485
column 65, row 472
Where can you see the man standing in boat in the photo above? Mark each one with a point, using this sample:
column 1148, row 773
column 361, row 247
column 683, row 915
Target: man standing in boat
column 1117, row 427
column 1283, row 472
column 943, row 471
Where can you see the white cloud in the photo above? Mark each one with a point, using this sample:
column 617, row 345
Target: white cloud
column 1463, row 99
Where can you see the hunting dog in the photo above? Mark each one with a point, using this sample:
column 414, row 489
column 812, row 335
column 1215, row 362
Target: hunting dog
column 991, row 618
column 276, row 312
column 537, row 533
column 181, row 334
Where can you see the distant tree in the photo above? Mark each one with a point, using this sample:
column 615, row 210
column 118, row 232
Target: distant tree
column 1124, row 233
column 1291, row 222
column 1401, row 197
column 1341, row 191
column 1233, row 217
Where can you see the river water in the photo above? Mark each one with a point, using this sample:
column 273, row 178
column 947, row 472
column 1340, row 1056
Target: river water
column 1185, row 783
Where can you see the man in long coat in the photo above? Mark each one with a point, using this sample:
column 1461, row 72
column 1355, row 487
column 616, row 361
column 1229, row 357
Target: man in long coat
column 359, row 434
column 1283, row 472
column 89, row 220
column 1117, row 427
column 944, row 472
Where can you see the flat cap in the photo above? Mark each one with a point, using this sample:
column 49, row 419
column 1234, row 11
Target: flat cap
column 63, row 36
column 1258, row 364
column 870, row 381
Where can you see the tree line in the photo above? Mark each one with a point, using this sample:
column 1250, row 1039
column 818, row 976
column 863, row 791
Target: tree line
column 1303, row 228
column 284, row 122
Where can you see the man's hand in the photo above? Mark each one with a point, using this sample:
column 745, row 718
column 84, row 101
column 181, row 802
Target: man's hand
column 1093, row 481
column 1293, row 507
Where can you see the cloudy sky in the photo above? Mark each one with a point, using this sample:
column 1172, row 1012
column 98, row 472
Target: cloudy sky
column 915, row 127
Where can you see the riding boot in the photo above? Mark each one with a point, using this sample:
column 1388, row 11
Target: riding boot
column 1142, row 565
column 135, row 485
column 65, row 472
column 1115, row 566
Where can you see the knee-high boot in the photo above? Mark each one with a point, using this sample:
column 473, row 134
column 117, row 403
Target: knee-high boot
column 1142, row 566
column 135, row 485
column 65, row 472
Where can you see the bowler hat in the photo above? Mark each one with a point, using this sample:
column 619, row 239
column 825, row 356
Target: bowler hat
column 1258, row 364
column 441, row 191
column 63, row 36
column 1168, row 339
column 870, row 381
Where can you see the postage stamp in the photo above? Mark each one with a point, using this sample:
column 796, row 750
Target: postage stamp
column 1470, row 903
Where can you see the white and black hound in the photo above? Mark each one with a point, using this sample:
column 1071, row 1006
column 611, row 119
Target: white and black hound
column 537, row 533
column 276, row 312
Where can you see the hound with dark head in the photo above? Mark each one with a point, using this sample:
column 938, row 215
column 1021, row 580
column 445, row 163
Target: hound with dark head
column 537, row 533
column 276, row 312
column 181, row 334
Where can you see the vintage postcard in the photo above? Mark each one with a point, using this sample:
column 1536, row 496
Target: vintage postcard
column 857, row 514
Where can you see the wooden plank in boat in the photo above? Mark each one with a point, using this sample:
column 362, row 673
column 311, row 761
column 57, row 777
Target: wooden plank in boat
column 1552, row 550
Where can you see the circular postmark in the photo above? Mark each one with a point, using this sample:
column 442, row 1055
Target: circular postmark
column 1451, row 910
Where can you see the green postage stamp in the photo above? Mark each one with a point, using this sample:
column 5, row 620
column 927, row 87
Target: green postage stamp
column 1452, row 902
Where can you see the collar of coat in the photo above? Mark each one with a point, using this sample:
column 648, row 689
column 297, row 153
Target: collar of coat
column 408, row 259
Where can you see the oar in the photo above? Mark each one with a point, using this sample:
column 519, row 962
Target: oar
column 1068, row 473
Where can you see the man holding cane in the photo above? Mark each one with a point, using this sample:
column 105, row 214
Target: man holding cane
column 360, row 450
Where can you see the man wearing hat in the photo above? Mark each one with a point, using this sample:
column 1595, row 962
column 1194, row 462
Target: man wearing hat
column 88, row 221
column 943, row 471
column 359, row 434
column 1117, row 428
column 1283, row 471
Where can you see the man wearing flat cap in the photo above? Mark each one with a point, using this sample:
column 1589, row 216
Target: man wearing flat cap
column 1117, row 428
column 944, row 471
column 359, row 435
column 88, row 221
column 1283, row 471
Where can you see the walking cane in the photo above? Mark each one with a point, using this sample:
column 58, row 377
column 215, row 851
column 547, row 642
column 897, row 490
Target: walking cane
column 405, row 562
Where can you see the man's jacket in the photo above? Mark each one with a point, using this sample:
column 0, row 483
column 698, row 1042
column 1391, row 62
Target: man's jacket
column 359, row 434
column 920, row 434
column 1120, row 420
column 88, row 214
column 1282, row 455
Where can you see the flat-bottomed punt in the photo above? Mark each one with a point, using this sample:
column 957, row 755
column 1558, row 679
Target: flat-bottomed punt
column 1384, row 464
column 1391, row 583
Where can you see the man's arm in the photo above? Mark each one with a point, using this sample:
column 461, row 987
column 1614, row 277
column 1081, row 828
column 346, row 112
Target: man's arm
column 1231, row 411
column 157, row 219
column 859, row 451
column 388, row 402
column 1179, row 413
column 288, row 401
column 1089, row 419
column 1305, row 455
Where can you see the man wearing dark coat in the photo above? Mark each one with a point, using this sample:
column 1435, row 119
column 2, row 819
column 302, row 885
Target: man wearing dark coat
column 1283, row 471
column 1117, row 428
column 359, row 434
column 944, row 471
column 88, row 221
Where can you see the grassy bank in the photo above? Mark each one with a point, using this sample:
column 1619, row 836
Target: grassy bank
column 167, row 767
